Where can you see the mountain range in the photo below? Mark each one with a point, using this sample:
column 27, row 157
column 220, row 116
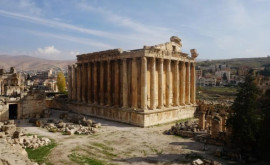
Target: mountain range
column 28, row 63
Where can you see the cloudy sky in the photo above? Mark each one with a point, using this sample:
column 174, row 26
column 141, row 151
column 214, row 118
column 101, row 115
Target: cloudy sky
column 61, row 29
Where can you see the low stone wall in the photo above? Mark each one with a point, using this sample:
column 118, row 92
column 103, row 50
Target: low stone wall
column 138, row 118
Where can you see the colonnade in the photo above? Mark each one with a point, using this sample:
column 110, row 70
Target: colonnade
column 141, row 83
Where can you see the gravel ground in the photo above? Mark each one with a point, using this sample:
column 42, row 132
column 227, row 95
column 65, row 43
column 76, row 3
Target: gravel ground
column 118, row 143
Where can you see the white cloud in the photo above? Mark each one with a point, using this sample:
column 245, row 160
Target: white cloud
column 49, row 50
column 140, row 34
column 72, row 39
column 150, row 33
column 57, row 24
column 74, row 53
column 25, row 6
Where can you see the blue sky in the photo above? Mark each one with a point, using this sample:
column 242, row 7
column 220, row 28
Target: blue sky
column 60, row 29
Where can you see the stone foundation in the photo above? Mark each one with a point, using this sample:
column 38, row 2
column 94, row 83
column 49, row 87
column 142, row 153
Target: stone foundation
column 134, row 117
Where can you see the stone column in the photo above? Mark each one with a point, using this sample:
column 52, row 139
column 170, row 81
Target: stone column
column 144, row 83
column 74, row 83
column 202, row 121
column 95, row 84
column 182, row 83
column 176, row 84
column 69, row 83
column 101, row 81
column 153, row 84
column 125, row 83
column 116, row 83
column 109, row 83
column 168, row 83
column 134, row 83
column 193, row 84
column 187, row 83
column 79, row 83
column 89, row 85
column 83, row 74
column 160, row 84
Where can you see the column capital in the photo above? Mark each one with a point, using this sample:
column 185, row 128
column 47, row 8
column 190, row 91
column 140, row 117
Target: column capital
column 168, row 61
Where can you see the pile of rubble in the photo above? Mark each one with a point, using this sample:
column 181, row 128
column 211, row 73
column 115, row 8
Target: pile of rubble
column 31, row 141
column 205, row 162
column 68, row 125
column 185, row 129
column 15, row 136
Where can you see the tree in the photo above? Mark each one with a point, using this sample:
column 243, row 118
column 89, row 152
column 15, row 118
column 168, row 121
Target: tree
column 224, row 77
column 244, row 119
column 264, row 138
column 61, row 82
column 28, row 77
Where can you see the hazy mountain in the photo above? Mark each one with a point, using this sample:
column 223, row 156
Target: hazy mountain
column 238, row 62
column 28, row 63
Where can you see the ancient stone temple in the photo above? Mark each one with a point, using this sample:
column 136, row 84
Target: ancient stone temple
column 143, row 87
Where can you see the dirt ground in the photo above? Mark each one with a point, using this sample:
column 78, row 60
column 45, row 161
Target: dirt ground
column 118, row 143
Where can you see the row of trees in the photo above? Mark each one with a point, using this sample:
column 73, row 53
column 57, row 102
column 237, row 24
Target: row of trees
column 250, row 119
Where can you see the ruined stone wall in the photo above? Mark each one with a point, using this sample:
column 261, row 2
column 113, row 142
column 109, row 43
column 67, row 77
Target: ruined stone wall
column 213, row 116
column 32, row 104
column 3, row 111
column 12, row 90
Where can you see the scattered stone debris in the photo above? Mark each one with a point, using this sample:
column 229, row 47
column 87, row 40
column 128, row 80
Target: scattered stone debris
column 14, row 140
column 205, row 162
column 67, row 124
column 13, row 154
column 185, row 129
column 16, row 136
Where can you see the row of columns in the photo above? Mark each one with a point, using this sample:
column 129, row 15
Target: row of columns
column 116, row 83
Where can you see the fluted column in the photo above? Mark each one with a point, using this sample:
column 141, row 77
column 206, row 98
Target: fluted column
column 168, row 82
column 116, row 83
column 153, row 83
column 95, row 84
column 74, row 82
column 160, row 84
column 89, row 85
column 182, row 83
column 101, row 83
column 83, row 73
column 79, row 83
column 187, row 83
column 144, row 83
column 193, row 84
column 69, row 83
column 134, row 83
column 125, row 83
column 109, row 83
column 176, row 84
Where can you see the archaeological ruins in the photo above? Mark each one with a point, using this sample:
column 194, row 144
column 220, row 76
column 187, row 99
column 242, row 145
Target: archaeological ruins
column 142, row 87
